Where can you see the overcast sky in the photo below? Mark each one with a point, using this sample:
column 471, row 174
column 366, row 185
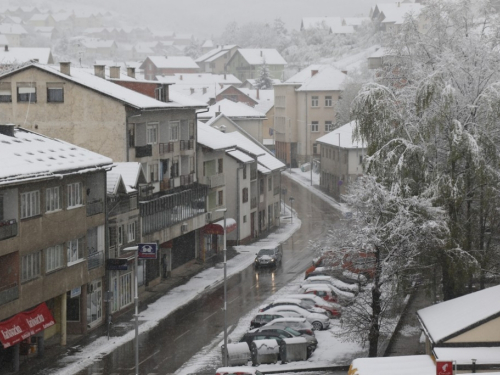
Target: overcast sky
column 206, row 18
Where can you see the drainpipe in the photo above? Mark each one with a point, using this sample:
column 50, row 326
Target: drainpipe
column 238, row 197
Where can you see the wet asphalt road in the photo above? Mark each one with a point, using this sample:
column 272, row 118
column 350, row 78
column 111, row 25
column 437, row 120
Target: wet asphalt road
column 176, row 339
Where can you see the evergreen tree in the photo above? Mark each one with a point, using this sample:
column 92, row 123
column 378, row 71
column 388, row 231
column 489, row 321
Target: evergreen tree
column 265, row 81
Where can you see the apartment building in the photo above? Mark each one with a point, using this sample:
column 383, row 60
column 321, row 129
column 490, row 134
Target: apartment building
column 52, row 240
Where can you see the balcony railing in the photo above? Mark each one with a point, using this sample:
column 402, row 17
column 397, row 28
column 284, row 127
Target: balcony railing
column 276, row 190
column 253, row 202
column 215, row 180
column 95, row 207
column 8, row 228
column 9, row 293
column 143, row 151
column 95, row 260
column 187, row 179
column 166, row 148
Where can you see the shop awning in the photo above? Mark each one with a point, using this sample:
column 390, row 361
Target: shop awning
column 25, row 324
column 218, row 227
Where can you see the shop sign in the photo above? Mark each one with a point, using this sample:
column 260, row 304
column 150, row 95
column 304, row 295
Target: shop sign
column 147, row 251
column 444, row 367
column 75, row 292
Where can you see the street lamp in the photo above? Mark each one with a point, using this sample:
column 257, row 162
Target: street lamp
column 291, row 208
column 224, row 356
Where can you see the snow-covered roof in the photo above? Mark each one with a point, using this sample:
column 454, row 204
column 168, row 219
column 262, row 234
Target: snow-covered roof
column 213, row 138
column 63, row 16
column 265, row 100
column 342, row 30
column 98, row 43
column 11, row 29
column 216, row 51
column 172, row 62
column 143, row 48
column 380, row 52
column 319, row 22
column 253, row 81
column 241, row 156
column 482, row 355
column 305, row 74
column 86, row 78
column 208, row 44
column 29, row 155
column 21, row 55
column 404, row 365
column 199, row 79
column 446, row 319
column 129, row 173
column 39, row 17
column 327, row 79
column 346, row 140
column 232, row 110
column 256, row 56
column 396, row 12
column 355, row 21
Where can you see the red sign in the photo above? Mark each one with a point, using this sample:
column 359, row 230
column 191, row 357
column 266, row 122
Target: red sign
column 218, row 227
column 25, row 324
column 444, row 368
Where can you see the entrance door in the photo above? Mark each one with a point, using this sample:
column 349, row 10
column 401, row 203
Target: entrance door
column 252, row 224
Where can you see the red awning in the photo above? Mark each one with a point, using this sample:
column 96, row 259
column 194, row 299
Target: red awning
column 218, row 227
column 25, row 324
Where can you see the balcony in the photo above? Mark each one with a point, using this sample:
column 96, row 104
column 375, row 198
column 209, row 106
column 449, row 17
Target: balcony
column 215, row 180
column 9, row 293
column 165, row 184
column 253, row 174
column 166, row 148
column 143, row 151
column 95, row 207
column 187, row 179
column 253, row 202
column 8, row 228
column 95, row 260
column 190, row 144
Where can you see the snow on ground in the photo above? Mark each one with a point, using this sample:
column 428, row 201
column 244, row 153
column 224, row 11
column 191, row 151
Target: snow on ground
column 177, row 298
column 304, row 179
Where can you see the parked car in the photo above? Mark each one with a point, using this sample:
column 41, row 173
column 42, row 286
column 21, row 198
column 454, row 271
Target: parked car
column 305, row 304
column 361, row 262
column 255, row 334
column 240, row 370
column 298, row 324
column 333, row 310
column 318, row 321
column 334, row 294
column 269, row 257
column 263, row 318
column 312, row 343
column 324, row 279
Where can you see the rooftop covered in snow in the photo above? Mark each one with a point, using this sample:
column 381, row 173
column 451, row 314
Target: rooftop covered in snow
column 129, row 174
column 232, row 110
column 342, row 135
column 171, row 62
column 256, row 56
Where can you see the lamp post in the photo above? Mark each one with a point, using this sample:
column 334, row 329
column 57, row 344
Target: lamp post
column 224, row 356
column 291, row 208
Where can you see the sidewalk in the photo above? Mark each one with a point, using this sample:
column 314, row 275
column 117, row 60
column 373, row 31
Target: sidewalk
column 155, row 304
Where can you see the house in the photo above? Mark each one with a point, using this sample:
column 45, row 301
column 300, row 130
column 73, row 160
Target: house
column 12, row 56
column 244, row 116
column 304, row 111
column 42, row 20
column 341, row 159
column 404, row 365
column 46, row 272
column 183, row 39
column 207, row 46
column 329, row 25
column 247, row 63
column 215, row 60
column 93, row 48
column 392, row 15
column 252, row 83
column 168, row 65
column 14, row 32
column 82, row 106
column 465, row 329
column 355, row 22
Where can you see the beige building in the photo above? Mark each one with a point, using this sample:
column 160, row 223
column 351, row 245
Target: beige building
column 52, row 238
column 215, row 60
column 304, row 111
column 247, row 63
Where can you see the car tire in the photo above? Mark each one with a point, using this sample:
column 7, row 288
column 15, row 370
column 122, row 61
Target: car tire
column 317, row 326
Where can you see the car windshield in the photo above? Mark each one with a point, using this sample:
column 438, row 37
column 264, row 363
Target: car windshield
column 307, row 303
column 266, row 252
column 292, row 331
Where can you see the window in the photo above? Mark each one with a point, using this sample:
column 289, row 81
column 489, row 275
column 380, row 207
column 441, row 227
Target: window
column 328, row 126
column 315, row 126
column 220, row 198
column 314, row 101
column 30, row 204
column 328, row 101
column 55, row 93
column 152, row 134
column 52, row 199
column 153, row 172
column 120, row 235
column 131, row 232
column 75, row 251
column 220, row 164
column 233, row 98
column 269, row 184
column 244, row 195
column 315, row 148
column 74, row 194
column 30, row 266
column 5, row 92
column 54, row 258
column 244, row 218
column 26, row 92
column 244, row 172
column 261, row 186
column 360, row 159
column 174, row 130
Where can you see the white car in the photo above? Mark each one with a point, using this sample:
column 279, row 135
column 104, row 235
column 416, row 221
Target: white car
column 353, row 288
column 318, row 321
column 339, row 296
column 298, row 324
column 305, row 304
column 332, row 309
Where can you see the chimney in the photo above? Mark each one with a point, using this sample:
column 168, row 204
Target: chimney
column 192, row 90
column 260, row 53
column 65, row 67
column 180, row 77
column 204, row 90
column 225, row 76
column 258, row 97
column 99, row 70
column 114, row 72
column 313, row 73
column 7, row 129
column 6, row 48
column 131, row 71
column 217, row 113
column 344, row 71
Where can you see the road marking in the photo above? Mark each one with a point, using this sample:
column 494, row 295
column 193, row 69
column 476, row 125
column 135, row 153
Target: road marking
column 234, row 299
column 178, row 337
column 210, row 315
column 158, row 365
column 155, row 353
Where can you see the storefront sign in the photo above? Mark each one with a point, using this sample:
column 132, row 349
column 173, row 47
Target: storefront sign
column 218, row 227
column 444, row 368
column 25, row 324
column 118, row 264
column 75, row 292
column 147, row 251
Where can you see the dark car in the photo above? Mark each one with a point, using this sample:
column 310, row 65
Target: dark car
column 263, row 318
column 268, row 257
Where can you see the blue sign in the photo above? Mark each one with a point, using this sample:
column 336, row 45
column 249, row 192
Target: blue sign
column 147, row 251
